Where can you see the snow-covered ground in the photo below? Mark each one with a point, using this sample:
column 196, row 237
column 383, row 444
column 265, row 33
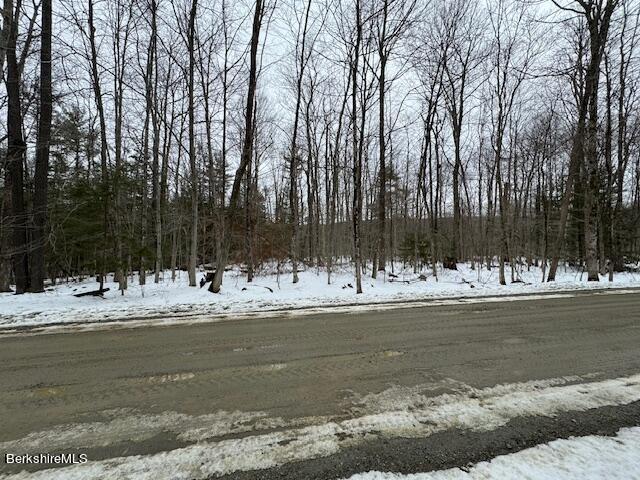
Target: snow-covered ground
column 399, row 412
column 271, row 292
column 583, row 458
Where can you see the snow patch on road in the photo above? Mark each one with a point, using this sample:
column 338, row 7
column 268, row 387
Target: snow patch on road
column 418, row 396
column 124, row 426
column 582, row 458
column 171, row 377
column 476, row 409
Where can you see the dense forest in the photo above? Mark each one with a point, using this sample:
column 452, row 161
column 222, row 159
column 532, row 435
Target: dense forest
column 149, row 136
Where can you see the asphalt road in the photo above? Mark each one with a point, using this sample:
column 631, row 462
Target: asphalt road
column 309, row 366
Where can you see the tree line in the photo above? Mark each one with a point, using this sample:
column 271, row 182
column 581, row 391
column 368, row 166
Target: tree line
column 163, row 135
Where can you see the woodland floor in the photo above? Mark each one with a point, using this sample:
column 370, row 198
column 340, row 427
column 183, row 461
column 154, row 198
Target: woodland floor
column 269, row 292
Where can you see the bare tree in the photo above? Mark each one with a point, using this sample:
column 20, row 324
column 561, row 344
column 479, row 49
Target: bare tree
column 462, row 45
column 16, row 147
column 97, row 93
column 392, row 22
column 41, row 180
column 408, row 138
column 597, row 15
column 357, row 151
column 193, row 252
column 510, row 61
column 302, row 58
column 247, row 147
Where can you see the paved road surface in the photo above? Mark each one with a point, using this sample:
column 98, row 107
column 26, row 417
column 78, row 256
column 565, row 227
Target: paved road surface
column 310, row 366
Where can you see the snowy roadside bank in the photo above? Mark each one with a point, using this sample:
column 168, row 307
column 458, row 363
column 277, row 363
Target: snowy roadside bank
column 270, row 294
column 581, row 458
column 398, row 412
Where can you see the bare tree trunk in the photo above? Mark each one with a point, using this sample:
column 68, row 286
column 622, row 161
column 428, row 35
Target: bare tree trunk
column 591, row 164
column 335, row 179
column 574, row 165
column 176, row 214
column 293, row 160
column 381, row 257
column 5, row 236
column 16, row 148
column 357, row 154
column 502, row 196
column 247, row 147
column 249, row 227
column 150, row 122
column 155, row 149
column 5, row 207
column 142, row 269
column 7, row 13
column 104, row 179
column 193, row 251
column 598, row 21
column 41, row 182
column 122, row 31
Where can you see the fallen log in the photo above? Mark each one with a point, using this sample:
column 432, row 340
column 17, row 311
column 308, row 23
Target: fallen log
column 92, row 293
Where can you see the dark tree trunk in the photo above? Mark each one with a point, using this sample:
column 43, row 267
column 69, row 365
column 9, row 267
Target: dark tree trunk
column 381, row 262
column 293, row 161
column 357, row 154
column 104, row 178
column 16, row 148
column 42, row 155
column 193, row 250
column 584, row 140
column 247, row 148
column 5, row 207
column 5, row 236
